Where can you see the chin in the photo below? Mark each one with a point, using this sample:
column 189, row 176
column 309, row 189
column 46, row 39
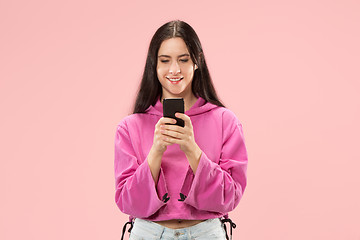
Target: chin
column 177, row 94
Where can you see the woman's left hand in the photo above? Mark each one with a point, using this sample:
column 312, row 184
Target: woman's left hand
column 184, row 136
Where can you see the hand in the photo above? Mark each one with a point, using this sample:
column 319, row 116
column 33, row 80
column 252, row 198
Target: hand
column 184, row 136
column 159, row 143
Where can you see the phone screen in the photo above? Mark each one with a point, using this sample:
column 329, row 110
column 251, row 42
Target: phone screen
column 172, row 106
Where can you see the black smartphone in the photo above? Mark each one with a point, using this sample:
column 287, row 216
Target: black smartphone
column 172, row 106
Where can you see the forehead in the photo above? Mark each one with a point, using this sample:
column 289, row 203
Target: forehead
column 173, row 46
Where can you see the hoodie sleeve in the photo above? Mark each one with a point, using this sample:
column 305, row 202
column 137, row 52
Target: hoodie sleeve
column 136, row 193
column 219, row 184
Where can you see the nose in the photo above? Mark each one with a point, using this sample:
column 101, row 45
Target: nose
column 174, row 67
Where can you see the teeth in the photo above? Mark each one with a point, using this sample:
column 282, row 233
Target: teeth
column 174, row 79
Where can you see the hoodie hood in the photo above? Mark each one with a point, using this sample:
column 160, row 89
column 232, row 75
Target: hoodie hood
column 199, row 107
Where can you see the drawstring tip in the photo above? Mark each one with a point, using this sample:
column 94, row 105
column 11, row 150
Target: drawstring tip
column 232, row 225
column 124, row 229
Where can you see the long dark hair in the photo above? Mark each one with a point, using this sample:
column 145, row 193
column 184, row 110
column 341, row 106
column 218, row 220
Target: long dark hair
column 150, row 88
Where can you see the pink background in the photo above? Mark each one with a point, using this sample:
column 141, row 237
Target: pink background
column 289, row 70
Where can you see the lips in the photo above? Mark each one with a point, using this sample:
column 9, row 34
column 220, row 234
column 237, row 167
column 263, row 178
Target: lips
column 174, row 80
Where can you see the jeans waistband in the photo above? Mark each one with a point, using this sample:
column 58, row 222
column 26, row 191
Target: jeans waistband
column 158, row 227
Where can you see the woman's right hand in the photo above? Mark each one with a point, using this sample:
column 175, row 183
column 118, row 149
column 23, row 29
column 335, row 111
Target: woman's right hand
column 159, row 145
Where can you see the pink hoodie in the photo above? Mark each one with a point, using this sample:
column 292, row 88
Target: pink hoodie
column 212, row 192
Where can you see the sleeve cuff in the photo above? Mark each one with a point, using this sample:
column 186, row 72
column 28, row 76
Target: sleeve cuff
column 191, row 178
column 161, row 187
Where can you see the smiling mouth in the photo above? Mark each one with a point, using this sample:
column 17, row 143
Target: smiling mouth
column 174, row 79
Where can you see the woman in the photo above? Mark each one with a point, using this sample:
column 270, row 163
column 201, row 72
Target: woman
column 178, row 182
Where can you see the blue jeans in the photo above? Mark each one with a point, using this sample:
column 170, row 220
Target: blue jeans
column 206, row 230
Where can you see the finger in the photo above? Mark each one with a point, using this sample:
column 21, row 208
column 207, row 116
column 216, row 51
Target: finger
column 172, row 140
column 174, row 128
column 184, row 117
column 165, row 120
column 172, row 134
column 168, row 120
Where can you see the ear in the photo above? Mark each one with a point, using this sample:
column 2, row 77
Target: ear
column 196, row 67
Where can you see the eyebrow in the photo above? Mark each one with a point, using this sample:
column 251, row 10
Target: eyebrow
column 182, row 55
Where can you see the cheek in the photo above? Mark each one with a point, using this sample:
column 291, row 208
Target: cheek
column 190, row 72
column 161, row 71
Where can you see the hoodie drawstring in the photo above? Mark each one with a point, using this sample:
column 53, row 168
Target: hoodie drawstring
column 124, row 228
column 232, row 225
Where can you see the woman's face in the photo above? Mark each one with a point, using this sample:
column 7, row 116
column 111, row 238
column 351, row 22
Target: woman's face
column 175, row 69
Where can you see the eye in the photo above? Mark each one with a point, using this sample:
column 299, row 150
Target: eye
column 184, row 60
column 164, row 61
